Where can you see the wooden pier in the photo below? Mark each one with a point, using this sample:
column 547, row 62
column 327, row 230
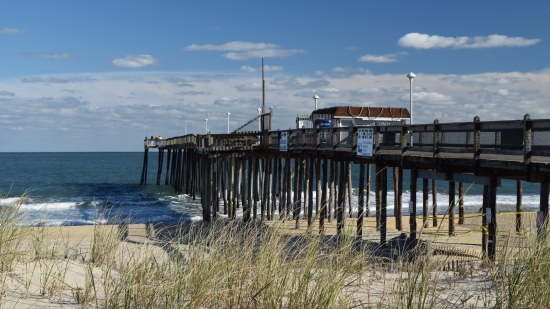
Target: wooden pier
column 273, row 175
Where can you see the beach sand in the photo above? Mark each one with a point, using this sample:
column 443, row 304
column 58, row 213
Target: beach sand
column 25, row 282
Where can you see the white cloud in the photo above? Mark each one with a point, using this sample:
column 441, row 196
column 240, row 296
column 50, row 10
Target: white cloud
column 44, row 79
column 341, row 70
column 135, row 61
column 239, row 50
column 426, row 41
column 232, row 46
column 267, row 68
column 11, row 31
column 122, row 106
column 381, row 58
column 484, row 80
column 263, row 53
column 191, row 93
column 57, row 56
column 431, row 98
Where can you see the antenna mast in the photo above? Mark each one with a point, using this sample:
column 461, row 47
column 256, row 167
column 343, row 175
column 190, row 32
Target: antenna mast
column 263, row 88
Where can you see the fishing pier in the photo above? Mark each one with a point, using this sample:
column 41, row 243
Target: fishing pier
column 274, row 174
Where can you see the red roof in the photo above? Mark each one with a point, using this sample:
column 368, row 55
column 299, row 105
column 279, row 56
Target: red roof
column 365, row 111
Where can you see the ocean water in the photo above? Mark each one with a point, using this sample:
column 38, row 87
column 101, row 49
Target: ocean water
column 76, row 188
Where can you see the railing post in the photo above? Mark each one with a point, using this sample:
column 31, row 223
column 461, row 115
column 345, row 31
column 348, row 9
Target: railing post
column 318, row 138
column 477, row 144
column 376, row 138
column 403, row 142
column 527, row 145
column 436, row 143
column 354, row 141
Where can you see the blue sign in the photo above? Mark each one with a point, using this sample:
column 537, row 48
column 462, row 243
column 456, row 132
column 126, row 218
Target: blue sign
column 323, row 123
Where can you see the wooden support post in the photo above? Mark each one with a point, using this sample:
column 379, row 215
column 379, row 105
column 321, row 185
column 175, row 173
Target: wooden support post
column 167, row 179
column 492, row 219
column 249, row 184
column 299, row 190
column 274, row 180
column 425, row 202
column 159, row 167
column 307, row 186
column 283, row 189
column 309, row 189
column 461, row 209
column 367, row 211
column 340, row 209
column 143, row 181
column 256, row 180
column 412, row 207
column 280, row 181
column 484, row 225
column 519, row 206
column 263, row 203
column 361, row 201
column 214, row 190
column 295, row 186
column 240, row 184
column 265, row 207
column 230, row 185
column 206, row 189
column 331, row 202
column 325, row 204
column 349, row 187
column 318, row 198
column 288, row 186
column 378, row 189
column 451, row 208
column 397, row 206
column 383, row 205
column 236, row 185
column 542, row 217
column 434, row 202
column 225, row 184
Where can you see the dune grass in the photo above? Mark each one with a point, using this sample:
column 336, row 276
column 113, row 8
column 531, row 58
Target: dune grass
column 231, row 264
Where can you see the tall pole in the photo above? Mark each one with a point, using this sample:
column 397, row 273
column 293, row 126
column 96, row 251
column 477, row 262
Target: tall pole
column 263, row 87
column 316, row 97
column 206, row 123
column 411, row 76
column 228, row 113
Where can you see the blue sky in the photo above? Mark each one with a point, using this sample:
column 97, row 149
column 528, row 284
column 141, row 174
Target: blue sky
column 99, row 76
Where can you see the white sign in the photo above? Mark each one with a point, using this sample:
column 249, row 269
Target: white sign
column 365, row 137
column 488, row 215
column 283, row 141
column 411, row 207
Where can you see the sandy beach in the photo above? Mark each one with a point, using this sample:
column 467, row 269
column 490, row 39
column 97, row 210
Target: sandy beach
column 58, row 271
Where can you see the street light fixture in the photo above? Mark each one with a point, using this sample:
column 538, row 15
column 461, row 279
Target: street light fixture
column 259, row 119
column 228, row 113
column 411, row 76
column 316, row 97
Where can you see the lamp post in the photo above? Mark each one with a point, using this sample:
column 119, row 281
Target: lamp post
column 315, row 97
column 228, row 113
column 411, row 76
column 259, row 119
column 206, row 123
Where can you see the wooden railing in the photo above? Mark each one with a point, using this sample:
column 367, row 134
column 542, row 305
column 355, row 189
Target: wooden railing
column 527, row 138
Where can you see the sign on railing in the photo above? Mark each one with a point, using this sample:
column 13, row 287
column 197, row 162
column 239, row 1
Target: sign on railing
column 365, row 138
column 283, row 141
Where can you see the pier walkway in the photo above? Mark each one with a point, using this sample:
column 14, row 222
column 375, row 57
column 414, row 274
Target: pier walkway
column 274, row 174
